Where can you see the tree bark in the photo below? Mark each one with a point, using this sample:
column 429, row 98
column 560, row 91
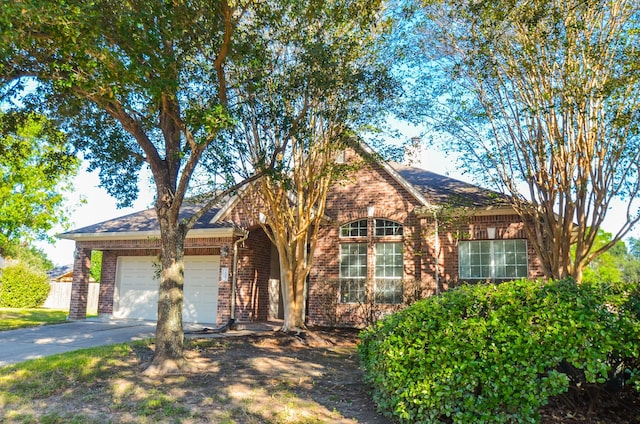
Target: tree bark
column 292, row 283
column 169, row 352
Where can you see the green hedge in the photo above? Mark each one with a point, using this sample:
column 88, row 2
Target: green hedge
column 495, row 353
column 23, row 287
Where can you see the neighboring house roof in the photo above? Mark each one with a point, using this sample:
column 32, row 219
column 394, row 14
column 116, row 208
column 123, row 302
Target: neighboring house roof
column 145, row 224
column 64, row 274
column 60, row 271
column 441, row 190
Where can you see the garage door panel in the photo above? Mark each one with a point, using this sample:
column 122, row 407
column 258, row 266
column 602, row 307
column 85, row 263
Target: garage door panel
column 137, row 288
column 138, row 304
column 201, row 276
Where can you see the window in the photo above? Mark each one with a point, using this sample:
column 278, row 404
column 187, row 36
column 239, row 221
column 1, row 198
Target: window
column 354, row 229
column 388, row 259
column 388, row 273
column 353, row 272
column 388, row 228
column 493, row 259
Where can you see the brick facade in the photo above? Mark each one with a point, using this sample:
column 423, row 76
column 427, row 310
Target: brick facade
column 430, row 252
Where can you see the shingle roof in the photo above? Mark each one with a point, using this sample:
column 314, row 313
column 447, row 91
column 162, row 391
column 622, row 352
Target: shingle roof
column 439, row 189
column 147, row 221
column 435, row 188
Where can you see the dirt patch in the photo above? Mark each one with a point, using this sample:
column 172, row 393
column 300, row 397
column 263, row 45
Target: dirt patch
column 265, row 377
column 318, row 369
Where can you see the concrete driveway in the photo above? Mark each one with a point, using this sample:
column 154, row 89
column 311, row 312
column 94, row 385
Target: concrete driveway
column 36, row 342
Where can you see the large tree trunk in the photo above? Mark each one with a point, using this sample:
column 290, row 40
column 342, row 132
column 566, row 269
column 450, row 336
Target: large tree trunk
column 169, row 352
column 292, row 283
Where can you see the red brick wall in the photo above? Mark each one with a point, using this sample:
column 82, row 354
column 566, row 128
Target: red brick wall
column 80, row 287
column 107, row 282
column 371, row 186
column 475, row 228
column 254, row 263
column 348, row 200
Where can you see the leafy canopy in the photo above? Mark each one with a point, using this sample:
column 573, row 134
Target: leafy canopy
column 36, row 167
column 542, row 99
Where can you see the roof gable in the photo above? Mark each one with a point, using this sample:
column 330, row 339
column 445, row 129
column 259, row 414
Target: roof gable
column 434, row 190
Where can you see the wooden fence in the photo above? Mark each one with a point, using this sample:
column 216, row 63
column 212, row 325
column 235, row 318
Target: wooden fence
column 60, row 297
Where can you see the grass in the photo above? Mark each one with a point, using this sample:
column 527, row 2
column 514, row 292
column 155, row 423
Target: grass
column 237, row 382
column 12, row 318
column 15, row 318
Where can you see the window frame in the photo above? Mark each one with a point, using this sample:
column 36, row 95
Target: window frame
column 355, row 225
column 353, row 287
column 495, row 259
column 373, row 233
column 396, row 228
column 388, row 284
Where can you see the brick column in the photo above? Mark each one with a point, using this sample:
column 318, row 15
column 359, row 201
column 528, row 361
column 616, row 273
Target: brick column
column 80, row 285
column 107, row 283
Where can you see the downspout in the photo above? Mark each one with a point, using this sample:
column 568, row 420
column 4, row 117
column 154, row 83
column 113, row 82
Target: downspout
column 437, row 252
column 234, row 276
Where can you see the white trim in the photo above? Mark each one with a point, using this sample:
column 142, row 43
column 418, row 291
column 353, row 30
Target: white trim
column 229, row 205
column 471, row 211
column 143, row 235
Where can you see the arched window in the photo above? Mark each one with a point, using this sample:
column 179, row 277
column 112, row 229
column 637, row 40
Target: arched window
column 386, row 258
column 354, row 229
column 384, row 227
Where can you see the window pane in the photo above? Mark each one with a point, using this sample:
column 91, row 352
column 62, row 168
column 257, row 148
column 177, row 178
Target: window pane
column 353, row 272
column 352, row 291
column 385, row 227
column 388, row 272
column 463, row 254
column 389, row 260
column 389, row 291
column 354, row 229
column 522, row 271
column 492, row 259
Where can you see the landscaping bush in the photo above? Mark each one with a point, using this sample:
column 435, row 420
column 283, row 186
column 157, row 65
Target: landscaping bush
column 495, row 353
column 23, row 287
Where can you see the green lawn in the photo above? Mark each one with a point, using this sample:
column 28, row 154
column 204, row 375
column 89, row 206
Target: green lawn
column 12, row 318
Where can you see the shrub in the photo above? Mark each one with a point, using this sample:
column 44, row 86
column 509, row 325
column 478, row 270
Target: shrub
column 495, row 353
column 23, row 287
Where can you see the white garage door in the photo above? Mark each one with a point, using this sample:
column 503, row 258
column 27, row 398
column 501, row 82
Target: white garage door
column 136, row 293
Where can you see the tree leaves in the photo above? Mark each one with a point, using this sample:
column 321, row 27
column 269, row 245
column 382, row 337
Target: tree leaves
column 35, row 170
column 541, row 99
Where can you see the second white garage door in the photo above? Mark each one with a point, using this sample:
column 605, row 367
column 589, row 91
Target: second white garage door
column 136, row 293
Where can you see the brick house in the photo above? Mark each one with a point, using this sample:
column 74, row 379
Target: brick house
column 392, row 234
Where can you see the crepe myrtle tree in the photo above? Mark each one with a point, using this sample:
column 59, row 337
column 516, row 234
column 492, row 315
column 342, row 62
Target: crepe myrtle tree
column 302, row 99
column 542, row 98
column 133, row 84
